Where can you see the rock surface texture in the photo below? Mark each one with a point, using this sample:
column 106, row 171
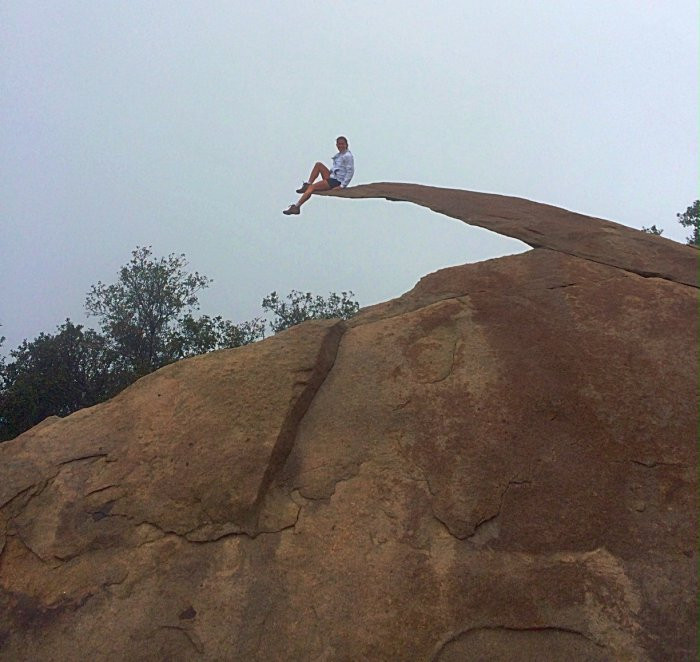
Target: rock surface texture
column 499, row 465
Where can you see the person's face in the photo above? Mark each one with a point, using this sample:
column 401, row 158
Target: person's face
column 341, row 145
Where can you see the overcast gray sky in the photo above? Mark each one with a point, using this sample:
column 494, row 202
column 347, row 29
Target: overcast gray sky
column 188, row 125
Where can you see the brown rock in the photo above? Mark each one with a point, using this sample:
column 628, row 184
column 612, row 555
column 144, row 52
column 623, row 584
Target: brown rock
column 545, row 226
column 500, row 464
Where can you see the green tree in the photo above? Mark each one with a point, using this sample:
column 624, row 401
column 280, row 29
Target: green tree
column 302, row 306
column 146, row 320
column 205, row 334
column 653, row 230
column 691, row 219
column 2, row 359
column 141, row 313
column 56, row 374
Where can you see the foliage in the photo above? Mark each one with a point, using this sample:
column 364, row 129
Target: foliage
column 302, row 306
column 653, row 230
column 146, row 321
column 56, row 374
column 141, row 312
column 198, row 336
column 691, row 219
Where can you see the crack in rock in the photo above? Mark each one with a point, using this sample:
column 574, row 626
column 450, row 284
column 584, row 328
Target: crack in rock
column 451, row 368
column 658, row 463
column 42, row 485
column 101, row 489
column 21, row 494
column 83, row 457
column 286, row 438
column 484, row 522
column 455, row 636
column 46, row 562
column 490, row 518
column 190, row 636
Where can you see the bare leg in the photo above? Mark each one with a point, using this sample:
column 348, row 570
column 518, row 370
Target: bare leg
column 323, row 185
column 319, row 169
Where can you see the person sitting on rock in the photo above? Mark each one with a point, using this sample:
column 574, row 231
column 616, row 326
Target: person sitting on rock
column 340, row 174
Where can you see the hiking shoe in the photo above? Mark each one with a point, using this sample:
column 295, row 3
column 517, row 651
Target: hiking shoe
column 303, row 188
column 293, row 209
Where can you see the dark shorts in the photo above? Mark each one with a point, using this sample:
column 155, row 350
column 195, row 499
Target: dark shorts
column 333, row 183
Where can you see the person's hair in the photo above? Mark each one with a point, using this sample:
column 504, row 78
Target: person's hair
column 342, row 138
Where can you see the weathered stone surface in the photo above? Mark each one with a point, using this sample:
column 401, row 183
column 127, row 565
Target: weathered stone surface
column 500, row 464
column 545, row 226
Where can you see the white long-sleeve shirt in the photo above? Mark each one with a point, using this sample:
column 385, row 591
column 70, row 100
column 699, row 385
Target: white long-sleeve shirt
column 343, row 167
